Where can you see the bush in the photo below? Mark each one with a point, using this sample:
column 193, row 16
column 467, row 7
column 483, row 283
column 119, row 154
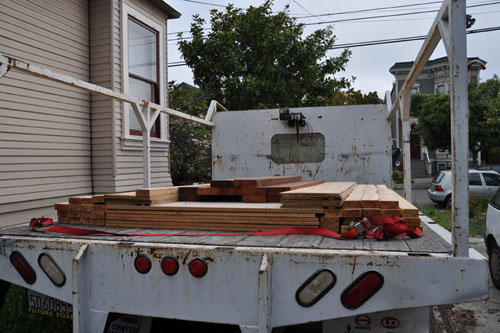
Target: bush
column 397, row 176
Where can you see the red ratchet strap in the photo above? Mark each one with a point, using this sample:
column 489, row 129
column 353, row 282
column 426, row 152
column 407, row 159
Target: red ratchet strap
column 394, row 230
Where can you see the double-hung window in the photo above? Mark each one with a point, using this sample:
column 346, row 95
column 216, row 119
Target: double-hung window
column 143, row 71
column 143, row 66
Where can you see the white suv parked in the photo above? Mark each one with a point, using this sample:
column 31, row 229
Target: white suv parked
column 492, row 238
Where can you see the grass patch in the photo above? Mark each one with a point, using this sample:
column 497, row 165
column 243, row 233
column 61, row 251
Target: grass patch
column 15, row 318
column 477, row 215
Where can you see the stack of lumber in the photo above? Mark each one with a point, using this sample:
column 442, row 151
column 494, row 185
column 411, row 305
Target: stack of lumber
column 334, row 205
column 369, row 201
column 82, row 210
column 227, row 216
column 323, row 195
column 252, row 190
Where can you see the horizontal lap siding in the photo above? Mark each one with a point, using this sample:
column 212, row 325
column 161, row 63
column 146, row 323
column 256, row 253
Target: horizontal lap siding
column 129, row 174
column 101, row 74
column 45, row 135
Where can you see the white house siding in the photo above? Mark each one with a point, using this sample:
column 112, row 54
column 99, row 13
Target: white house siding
column 45, row 143
column 129, row 175
column 102, row 115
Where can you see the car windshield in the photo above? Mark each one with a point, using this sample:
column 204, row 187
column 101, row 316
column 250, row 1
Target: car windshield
column 437, row 179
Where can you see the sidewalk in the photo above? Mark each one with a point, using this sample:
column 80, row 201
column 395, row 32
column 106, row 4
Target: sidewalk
column 417, row 183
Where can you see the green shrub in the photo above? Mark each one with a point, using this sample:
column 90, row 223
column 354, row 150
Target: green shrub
column 15, row 318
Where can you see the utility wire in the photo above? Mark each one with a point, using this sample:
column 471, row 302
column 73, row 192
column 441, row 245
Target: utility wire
column 305, row 9
column 376, row 42
column 393, row 15
column 368, row 17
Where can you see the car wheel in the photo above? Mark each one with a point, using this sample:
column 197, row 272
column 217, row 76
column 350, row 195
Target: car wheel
column 446, row 203
column 494, row 263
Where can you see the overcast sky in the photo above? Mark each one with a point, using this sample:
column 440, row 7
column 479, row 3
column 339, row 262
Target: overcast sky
column 370, row 64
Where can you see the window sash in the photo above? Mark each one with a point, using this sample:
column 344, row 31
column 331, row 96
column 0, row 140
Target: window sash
column 154, row 96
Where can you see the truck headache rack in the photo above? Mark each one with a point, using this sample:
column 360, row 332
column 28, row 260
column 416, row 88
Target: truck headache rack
column 449, row 27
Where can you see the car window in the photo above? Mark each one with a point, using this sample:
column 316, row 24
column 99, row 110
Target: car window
column 475, row 179
column 496, row 168
column 437, row 179
column 496, row 200
column 491, row 180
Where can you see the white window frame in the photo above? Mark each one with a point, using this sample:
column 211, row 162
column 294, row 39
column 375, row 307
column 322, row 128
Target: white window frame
column 128, row 140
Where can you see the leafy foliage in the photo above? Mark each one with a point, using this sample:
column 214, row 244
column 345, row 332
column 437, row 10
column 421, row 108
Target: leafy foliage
column 15, row 318
column 433, row 112
column 355, row 97
column 256, row 59
column 190, row 154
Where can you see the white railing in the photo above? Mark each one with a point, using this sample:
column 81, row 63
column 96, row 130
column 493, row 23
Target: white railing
column 141, row 107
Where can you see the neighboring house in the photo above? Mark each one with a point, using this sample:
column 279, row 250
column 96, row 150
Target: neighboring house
column 434, row 78
column 59, row 141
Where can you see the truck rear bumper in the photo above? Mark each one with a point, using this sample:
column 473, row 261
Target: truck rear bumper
column 247, row 286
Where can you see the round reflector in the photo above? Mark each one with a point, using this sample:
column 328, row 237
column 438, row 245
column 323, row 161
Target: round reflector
column 362, row 289
column 51, row 269
column 23, row 267
column 169, row 265
column 198, row 267
column 315, row 287
column 142, row 264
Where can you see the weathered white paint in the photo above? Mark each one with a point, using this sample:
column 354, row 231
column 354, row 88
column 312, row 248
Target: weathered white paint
column 357, row 139
column 247, row 286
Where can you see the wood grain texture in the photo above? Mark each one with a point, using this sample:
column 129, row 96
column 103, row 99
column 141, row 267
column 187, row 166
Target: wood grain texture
column 370, row 197
column 355, row 197
column 387, row 198
column 277, row 189
column 264, row 181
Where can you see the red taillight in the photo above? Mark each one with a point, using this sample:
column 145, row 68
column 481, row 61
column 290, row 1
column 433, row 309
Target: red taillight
column 169, row 265
column 362, row 289
column 198, row 267
column 142, row 264
column 23, row 267
column 438, row 188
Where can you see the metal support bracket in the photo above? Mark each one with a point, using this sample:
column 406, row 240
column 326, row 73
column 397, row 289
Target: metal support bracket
column 3, row 69
column 78, row 298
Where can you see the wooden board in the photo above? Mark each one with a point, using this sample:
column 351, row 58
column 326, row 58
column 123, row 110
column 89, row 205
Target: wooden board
column 406, row 208
column 370, row 197
column 222, row 183
column 332, row 190
column 85, row 199
column 264, row 181
column 61, row 206
column 219, row 207
column 190, row 193
column 148, row 193
column 277, row 189
column 352, row 213
column 355, row 197
column 387, row 198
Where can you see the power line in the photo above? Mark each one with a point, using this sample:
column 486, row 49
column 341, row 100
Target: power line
column 374, row 9
column 355, row 19
column 377, row 42
column 393, row 15
column 305, row 9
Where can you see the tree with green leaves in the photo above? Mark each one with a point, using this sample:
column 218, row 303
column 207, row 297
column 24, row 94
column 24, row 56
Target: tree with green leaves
column 433, row 112
column 190, row 154
column 256, row 59
column 355, row 97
